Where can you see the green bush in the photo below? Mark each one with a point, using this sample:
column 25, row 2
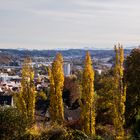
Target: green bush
column 98, row 138
column 57, row 132
column 54, row 132
column 12, row 123
column 28, row 136
column 136, row 129
column 79, row 135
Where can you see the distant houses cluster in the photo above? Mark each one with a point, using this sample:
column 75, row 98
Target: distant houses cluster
column 10, row 84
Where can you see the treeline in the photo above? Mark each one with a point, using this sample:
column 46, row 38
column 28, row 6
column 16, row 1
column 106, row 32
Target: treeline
column 109, row 103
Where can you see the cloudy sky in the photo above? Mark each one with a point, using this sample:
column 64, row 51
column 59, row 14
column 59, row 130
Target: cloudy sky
column 49, row 24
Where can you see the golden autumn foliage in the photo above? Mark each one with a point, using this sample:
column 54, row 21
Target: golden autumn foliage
column 25, row 100
column 119, row 96
column 87, row 107
column 56, row 86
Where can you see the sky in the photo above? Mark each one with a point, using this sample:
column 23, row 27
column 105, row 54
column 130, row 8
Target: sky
column 52, row 24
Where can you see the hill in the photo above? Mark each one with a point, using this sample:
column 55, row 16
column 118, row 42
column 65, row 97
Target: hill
column 65, row 53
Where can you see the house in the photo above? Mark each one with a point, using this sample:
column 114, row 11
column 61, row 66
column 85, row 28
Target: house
column 6, row 99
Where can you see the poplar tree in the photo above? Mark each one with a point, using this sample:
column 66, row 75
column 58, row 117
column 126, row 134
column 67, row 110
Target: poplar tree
column 25, row 100
column 87, row 107
column 56, row 75
column 119, row 95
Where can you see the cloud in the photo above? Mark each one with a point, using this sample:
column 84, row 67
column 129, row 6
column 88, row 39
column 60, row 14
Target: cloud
column 67, row 23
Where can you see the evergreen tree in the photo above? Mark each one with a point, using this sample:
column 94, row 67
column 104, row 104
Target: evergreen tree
column 56, row 86
column 25, row 100
column 119, row 95
column 87, row 107
column 132, row 78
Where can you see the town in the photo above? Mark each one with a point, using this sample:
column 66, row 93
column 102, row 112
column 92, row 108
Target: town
column 11, row 70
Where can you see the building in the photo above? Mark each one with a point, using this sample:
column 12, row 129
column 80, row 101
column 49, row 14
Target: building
column 67, row 68
column 99, row 71
column 6, row 99
column 4, row 77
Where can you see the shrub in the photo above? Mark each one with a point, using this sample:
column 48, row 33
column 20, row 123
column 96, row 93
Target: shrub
column 136, row 129
column 79, row 135
column 57, row 132
column 32, row 133
column 12, row 123
column 106, row 132
column 97, row 138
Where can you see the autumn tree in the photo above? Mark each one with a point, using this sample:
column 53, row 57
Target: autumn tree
column 132, row 78
column 104, row 99
column 119, row 95
column 87, row 107
column 25, row 100
column 56, row 86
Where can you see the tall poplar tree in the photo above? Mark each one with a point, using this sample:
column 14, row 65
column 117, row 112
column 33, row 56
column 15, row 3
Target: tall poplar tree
column 25, row 100
column 56, row 75
column 87, row 107
column 119, row 95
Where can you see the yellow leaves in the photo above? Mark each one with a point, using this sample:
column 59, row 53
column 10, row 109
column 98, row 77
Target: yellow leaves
column 20, row 103
column 121, row 55
column 120, row 93
column 26, row 98
column 120, row 137
column 88, row 111
column 88, row 59
column 59, row 57
column 34, row 130
column 119, row 60
column 88, row 73
column 43, row 95
column 56, row 86
column 49, row 72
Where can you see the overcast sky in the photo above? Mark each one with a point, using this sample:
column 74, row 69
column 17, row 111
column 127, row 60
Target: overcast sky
column 49, row 24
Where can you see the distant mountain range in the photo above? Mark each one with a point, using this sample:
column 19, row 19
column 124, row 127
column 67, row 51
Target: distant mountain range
column 100, row 53
column 82, row 48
